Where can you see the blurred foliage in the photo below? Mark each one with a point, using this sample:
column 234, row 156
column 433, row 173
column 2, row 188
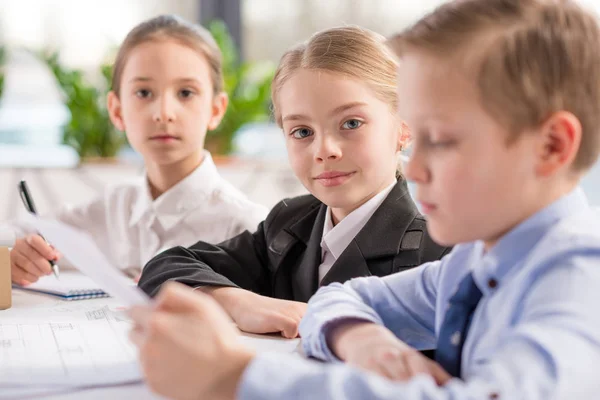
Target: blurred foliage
column 90, row 131
column 2, row 62
column 248, row 85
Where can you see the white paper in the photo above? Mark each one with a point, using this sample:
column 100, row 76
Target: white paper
column 70, row 346
column 81, row 251
column 270, row 343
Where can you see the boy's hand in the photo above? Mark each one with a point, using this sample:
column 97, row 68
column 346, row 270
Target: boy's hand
column 259, row 314
column 29, row 259
column 375, row 348
column 188, row 347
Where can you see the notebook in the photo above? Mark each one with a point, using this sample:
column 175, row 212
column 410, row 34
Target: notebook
column 71, row 285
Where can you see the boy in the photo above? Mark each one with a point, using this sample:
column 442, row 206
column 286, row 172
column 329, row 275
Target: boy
column 503, row 98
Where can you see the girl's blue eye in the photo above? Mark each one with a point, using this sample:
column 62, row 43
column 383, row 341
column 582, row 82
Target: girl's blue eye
column 185, row 93
column 143, row 93
column 301, row 133
column 352, row 124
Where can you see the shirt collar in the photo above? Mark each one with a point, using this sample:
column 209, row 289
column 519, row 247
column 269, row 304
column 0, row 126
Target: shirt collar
column 511, row 250
column 172, row 206
column 335, row 239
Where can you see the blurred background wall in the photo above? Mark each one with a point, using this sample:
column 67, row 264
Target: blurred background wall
column 48, row 47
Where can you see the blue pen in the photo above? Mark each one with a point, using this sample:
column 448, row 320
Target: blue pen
column 30, row 206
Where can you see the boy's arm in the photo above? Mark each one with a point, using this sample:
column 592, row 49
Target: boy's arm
column 552, row 353
column 403, row 302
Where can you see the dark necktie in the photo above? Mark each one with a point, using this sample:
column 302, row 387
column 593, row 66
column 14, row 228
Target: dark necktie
column 455, row 326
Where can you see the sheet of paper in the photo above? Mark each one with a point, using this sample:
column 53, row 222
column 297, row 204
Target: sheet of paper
column 81, row 251
column 70, row 346
column 270, row 343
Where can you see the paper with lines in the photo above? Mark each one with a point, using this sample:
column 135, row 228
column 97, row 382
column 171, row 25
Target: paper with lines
column 65, row 346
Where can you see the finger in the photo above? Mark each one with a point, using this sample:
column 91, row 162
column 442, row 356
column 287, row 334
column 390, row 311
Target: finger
column 30, row 260
column 41, row 263
column 56, row 252
column 287, row 326
column 416, row 363
column 438, row 373
column 392, row 362
column 41, row 247
column 22, row 264
column 22, row 277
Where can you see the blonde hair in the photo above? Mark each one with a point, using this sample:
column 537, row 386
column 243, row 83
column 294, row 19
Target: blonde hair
column 352, row 51
column 533, row 58
column 170, row 27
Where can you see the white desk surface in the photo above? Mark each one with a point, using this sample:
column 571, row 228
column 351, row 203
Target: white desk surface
column 24, row 301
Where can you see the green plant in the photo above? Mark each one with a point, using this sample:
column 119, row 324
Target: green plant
column 89, row 131
column 2, row 62
column 248, row 85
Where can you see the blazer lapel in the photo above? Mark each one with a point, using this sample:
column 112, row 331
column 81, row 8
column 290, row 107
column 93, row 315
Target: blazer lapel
column 380, row 237
column 304, row 276
column 350, row 264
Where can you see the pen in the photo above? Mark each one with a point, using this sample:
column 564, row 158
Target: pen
column 30, row 206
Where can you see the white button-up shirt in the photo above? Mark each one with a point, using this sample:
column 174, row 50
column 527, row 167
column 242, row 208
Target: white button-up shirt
column 337, row 238
column 131, row 227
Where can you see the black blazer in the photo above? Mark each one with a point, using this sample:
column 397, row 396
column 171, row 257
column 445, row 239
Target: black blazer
column 281, row 259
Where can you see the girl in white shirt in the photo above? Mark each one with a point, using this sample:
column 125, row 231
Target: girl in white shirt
column 167, row 92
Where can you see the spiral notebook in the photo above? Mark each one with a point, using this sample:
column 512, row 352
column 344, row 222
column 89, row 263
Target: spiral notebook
column 71, row 285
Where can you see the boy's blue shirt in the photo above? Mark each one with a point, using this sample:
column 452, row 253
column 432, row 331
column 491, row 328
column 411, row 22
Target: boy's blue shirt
column 535, row 334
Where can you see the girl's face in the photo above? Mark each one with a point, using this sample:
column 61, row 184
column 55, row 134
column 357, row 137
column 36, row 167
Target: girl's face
column 342, row 140
column 166, row 104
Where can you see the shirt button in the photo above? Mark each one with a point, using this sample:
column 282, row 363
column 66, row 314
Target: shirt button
column 492, row 283
column 455, row 338
column 494, row 396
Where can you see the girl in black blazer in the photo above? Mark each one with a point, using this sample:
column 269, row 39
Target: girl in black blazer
column 335, row 98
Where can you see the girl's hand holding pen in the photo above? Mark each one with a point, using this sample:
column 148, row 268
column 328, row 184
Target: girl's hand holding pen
column 29, row 259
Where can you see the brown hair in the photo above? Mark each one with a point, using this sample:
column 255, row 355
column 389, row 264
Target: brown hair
column 170, row 27
column 353, row 51
column 533, row 58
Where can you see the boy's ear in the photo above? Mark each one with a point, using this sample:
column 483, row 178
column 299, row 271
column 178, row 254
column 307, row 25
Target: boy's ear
column 114, row 110
column 559, row 142
column 219, row 107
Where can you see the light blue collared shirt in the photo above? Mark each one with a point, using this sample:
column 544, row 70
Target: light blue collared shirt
column 535, row 334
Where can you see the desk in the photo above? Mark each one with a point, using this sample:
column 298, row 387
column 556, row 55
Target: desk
column 25, row 301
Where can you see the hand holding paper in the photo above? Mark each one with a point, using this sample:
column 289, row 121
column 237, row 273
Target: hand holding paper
column 79, row 248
